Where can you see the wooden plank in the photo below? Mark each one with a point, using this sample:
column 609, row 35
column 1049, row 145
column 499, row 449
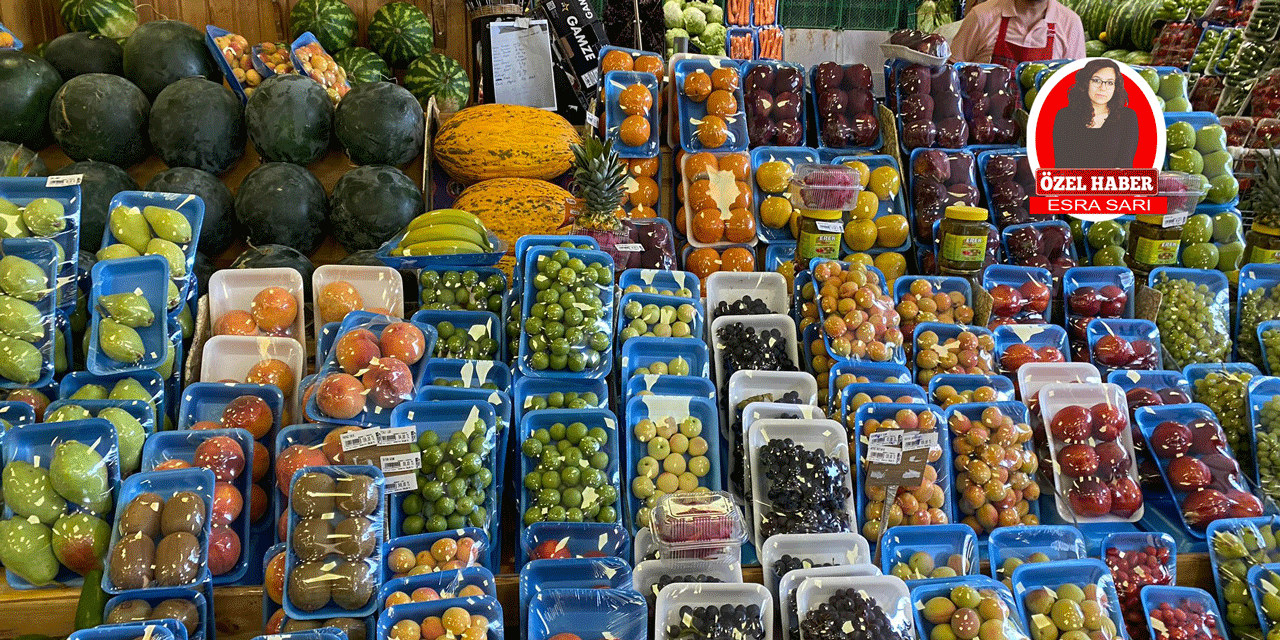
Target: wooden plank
column 239, row 609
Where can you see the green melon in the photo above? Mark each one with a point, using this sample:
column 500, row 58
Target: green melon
column 1094, row 48
column 400, row 33
column 436, row 74
column 332, row 22
column 362, row 65
column 111, row 18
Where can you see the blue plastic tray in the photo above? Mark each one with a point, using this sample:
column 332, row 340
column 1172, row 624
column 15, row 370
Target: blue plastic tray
column 938, row 540
column 909, row 185
column 136, row 408
column 44, row 254
column 1238, row 526
column 1078, row 572
column 190, row 206
column 760, row 155
column 1252, row 276
column 210, row 33
column 962, row 382
column 614, row 83
column 446, row 583
column 485, row 273
column 1098, row 277
column 167, row 629
column 486, row 606
column 1154, row 380
column 1058, row 542
column 1260, row 579
column 17, row 44
column 1019, row 153
column 165, row 484
column 376, row 324
column 645, row 407
column 811, row 97
column 644, row 351
column 147, row 275
column 420, row 542
column 149, row 380
column 155, row 596
column 21, row 191
column 1034, row 335
column 1128, row 329
column 205, row 401
column 880, row 411
column 940, row 284
column 777, row 253
column 894, row 391
column 621, row 614
column 388, row 256
column 1262, row 390
column 19, row 414
column 580, row 539
column 601, row 368
column 1179, row 597
column 697, row 327
column 479, row 324
column 1199, row 120
column 925, row 590
column 592, row 418
column 973, row 411
column 1125, row 542
column 946, row 332
column 894, row 205
column 473, row 374
column 667, row 283
column 670, row 386
column 541, row 576
column 526, row 388
column 303, row 40
column 691, row 112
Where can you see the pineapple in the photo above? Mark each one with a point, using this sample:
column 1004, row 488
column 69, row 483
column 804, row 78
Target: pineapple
column 1264, row 192
column 599, row 181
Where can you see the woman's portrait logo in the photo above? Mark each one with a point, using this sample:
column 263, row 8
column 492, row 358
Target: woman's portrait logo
column 1096, row 113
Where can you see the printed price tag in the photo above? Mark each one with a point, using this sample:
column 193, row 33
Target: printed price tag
column 629, row 247
column 913, row 441
column 882, row 438
column 353, row 440
column 400, row 462
column 593, row 120
column 402, row 482
column 63, row 181
column 397, row 435
column 1175, row 219
column 877, row 454
column 829, row 227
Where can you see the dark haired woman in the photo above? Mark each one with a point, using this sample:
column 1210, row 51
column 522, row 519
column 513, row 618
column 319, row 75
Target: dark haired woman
column 1097, row 129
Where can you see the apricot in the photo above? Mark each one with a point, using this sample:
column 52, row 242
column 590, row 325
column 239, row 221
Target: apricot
column 403, row 341
column 389, row 382
column 205, row 425
column 250, row 413
column 235, row 323
column 227, row 503
column 340, row 396
column 272, row 372
column 173, row 464
column 222, row 455
column 337, row 299
column 274, row 309
column 355, row 349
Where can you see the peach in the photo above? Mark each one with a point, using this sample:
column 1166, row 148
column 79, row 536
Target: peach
column 276, row 622
column 295, row 457
column 403, row 341
column 340, row 396
column 235, row 323
column 36, row 399
column 337, row 299
column 273, row 580
column 261, row 461
column 355, row 349
column 224, row 550
column 250, row 413
column 389, row 382
column 221, row 455
column 173, row 464
column 227, row 503
column 332, row 446
column 274, row 309
column 424, row 594
column 205, row 425
column 257, row 502
column 272, row 372
column 282, row 525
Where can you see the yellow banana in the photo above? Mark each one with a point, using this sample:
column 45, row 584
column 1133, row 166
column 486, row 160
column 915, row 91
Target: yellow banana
column 440, row 248
column 448, row 216
column 447, row 231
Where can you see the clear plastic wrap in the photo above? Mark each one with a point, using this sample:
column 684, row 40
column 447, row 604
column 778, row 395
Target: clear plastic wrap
column 1264, row 418
column 848, row 335
column 1194, row 313
column 943, row 299
column 468, row 335
column 1007, row 178
column 377, row 363
column 946, row 389
column 478, row 616
column 593, row 434
column 157, row 630
column 162, row 532
column 929, row 552
column 775, row 108
column 457, row 479
column 1258, row 301
column 1137, row 560
column 338, row 289
column 30, row 304
column 1120, row 343
column 848, row 372
column 1264, row 587
column 990, row 98
column 929, row 102
column 708, row 611
column 1012, row 547
column 875, row 607
column 1224, row 388
column 631, row 112
column 708, row 120
column 563, row 540
column 1086, row 584
column 1180, row 612
column 190, row 608
column 130, row 328
column 927, row 503
column 966, row 602
column 644, row 356
column 656, row 315
column 952, row 348
column 441, row 585
column 258, row 302
column 991, row 441
column 1095, row 292
column 463, row 289
column 939, row 179
column 801, row 477
column 132, row 419
column 1046, row 244
column 672, row 447
column 844, row 106
column 56, row 216
column 1235, row 547
column 537, row 394
column 1018, row 345
column 1095, row 476
column 426, row 553
column 335, row 525
column 588, row 275
column 154, row 223
column 853, row 396
column 749, row 387
column 541, row 576
column 279, row 362
column 790, row 583
column 587, row 613
column 764, row 343
column 1020, row 294
column 718, row 200
column 60, row 483
column 785, row 553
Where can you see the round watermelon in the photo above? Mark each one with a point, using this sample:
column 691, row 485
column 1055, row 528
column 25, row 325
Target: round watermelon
column 289, row 119
column 332, row 22
column 111, row 18
column 282, row 203
column 436, row 74
column 100, row 182
column 196, row 123
column 163, row 52
column 266, row 256
column 101, row 117
column 400, row 33
column 28, row 84
column 379, row 123
column 371, row 204
column 17, row 161
column 81, row 52
column 219, row 229
column 362, row 65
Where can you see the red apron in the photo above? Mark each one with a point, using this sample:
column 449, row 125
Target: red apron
column 1009, row 55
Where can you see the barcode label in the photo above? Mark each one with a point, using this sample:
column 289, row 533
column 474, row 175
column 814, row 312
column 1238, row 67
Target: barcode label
column 402, row 483
column 353, row 440
column 913, row 441
column 397, row 435
column 400, row 462
column 591, row 77
column 593, row 120
column 884, row 455
column 879, row 438
column 63, row 181
column 629, row 247
column 1175, row 219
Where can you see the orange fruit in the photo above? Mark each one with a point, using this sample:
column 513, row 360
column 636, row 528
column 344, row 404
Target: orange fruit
column 616, row 61
column 740, row 227
column 743, row 198
column 773, row 176
column 738, row 259
column 682, row 222
column 634, row 131
column 641, row 211
column 680, row 192
column 697, row 86
column 645, row 191
column 722, row 103
column 700, row 196
column 703, row 262
column 713, row 132
column 708, row 226
column 643, row 166
column 775, row 212
column 699, row 165
column 724, row 79
column 891, row 230
column 635, row 100
column 738, row 163
column 649, row 64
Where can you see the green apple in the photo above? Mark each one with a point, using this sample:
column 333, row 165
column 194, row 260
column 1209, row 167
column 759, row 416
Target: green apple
column 1030, row 98
column 1152, row 78
column 1112, row 256
column 1105, row 233
column 1186, row 161
column 1198, row 229
column 1028, row 76
column 1177, row 105
column 1217, row 163
column 1227, row 227
column 1180, row 135
column 1173, row 85
column 1211, row 138
column 1230, row 255
column 1222, row 189
column 1203, row 255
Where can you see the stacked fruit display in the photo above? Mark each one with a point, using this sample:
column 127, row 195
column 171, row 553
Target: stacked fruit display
column 382, row 360
column 775, row 104
column 845, row 106
column 990, row 99
column 1046, row 245
column 986, row 501
column 1010, row 186
column 1203, row 150
column 1092, row 448
column 1176, row 44
column 335, row 523
column 1197, row 465
column 930, row 108
column 925, row 503
column 940, row 179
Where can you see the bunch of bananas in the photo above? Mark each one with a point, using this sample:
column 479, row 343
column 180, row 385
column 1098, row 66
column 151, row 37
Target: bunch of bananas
column 444, row 232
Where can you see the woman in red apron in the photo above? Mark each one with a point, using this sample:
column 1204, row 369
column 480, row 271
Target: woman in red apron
column 1009, row 54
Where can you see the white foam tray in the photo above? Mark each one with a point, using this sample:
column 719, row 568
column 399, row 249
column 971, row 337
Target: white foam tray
column 379, row 287
column 234, row 290
column 1055, row 396
column 810, row 434
column 675, row 596
column 792, row 581
column 231, row 357
column 888, row 592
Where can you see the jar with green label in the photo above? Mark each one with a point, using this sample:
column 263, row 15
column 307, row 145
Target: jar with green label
column 820, row 233
column 962, row 237
column 1262, row 245
column 1154, row 241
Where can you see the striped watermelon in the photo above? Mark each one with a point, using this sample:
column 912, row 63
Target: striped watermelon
column 1094, row 48
column 362, row 65
column 332, row 22
column 436, row 74
column 111, row 18
column 400, row 33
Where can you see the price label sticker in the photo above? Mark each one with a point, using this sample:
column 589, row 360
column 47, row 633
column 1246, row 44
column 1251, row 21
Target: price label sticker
column 401, row 483
column 877, row 454
column 593, row 119
column 397, row 435
column 361, row 439
column 400, row 462
column 629, row 247
column 913, row 441
column 63, row 181
column 1175, row 219
column 885, row 438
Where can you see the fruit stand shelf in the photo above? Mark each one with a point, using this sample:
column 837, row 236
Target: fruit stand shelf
column 239, row 609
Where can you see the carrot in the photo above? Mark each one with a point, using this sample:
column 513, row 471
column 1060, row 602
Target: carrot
column 771, row 43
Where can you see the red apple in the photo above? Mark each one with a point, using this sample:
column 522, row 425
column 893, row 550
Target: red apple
column 1108, row 421
column 1085, row 301
column 1113, row 351
column 1244, row 505
column 1126, row 497
column 1113, row 460
column 1078, row 460
column 1050, row 354
column 550, row 550
column 1037, row 295
column 1090, row 498
column 1170, row 439
column 1113, row 301
column 1206, row 436
column 1017, row 355
column 1205, row 506
column 1006, row 300
column 1188, row 474
column 1071, row 424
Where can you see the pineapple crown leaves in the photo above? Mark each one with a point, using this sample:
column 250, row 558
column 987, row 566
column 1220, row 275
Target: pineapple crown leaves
column 14, row 167
column 1265, row 194
column 599, row 180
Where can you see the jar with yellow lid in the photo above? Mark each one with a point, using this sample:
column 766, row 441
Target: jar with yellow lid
column 1152, row 244
column 1262, row 245
column 819, row 237
column 963, row 234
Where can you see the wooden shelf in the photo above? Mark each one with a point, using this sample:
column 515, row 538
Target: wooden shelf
column 239, row 609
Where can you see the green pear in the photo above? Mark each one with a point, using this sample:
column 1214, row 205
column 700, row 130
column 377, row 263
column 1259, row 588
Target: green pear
column 1211, row 138
column 19, row 361
column 67, row 413
column 117, row 251
column 120, row 342
column 90, row 392
column 171, row 252
column 1230, row 255
column 21, row 319
column 45, row 216
column 130, row 227
column 129, row 389
column 130, row 434
column 28, row 492
column 23, row 279
column 26, row 549
column 168, row 224
column 80, row 541
column 128, row 308
column 79, row 474
column 1226, row 227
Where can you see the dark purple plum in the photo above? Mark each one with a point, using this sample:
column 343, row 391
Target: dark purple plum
column 857, row 76
column 759, row 103
column 972, row 80
column 860, row 101
column 925, row 217
column 932, row 164
column 933, row 44
column 833, row 101
column 1005, row 131
column 1001, row 168
column 946, row 104
column 913, row 80
column 921, row 133
column 917, row 106
column 788, row 80
column 837, row 132
column 1023, row 243
column 961, row 168
column 1054, row 240
column 1060, row 264
column 1007, row 217
column 1007, row 194
column 983, row 128
column 927, row 192
column 1024, row 172
column 1000, row 105
column 1174, row 396
column 953, row 133
column 865, row 129
column 760, row 131
column 978, row 105
column 1038, row 260
column 789, row 133
column 999, row 79
column 944, row 80
column 963, row 194
column 827, row 76
column 760, row 78
column 786, row 105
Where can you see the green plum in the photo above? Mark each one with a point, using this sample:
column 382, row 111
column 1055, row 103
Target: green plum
column 1216, row 164
column 1201, row 255
column 1112, row 256
column 1223, row 189
column 1180, row 135
column 1199, row 228
column 1211, row 138
column 1186, row 161
column 1106, row 233
column 1227, row 227
column 1230, row 256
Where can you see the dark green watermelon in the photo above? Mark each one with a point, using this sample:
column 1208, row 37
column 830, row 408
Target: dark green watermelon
column 27, row 84
column 100, row 183
column 101, row 117
column 203, row 269
column 219, row 229
column 266, row 256
column 17, row 161
column 81, row 52
column 379, row 123
column 162, row 52
column 371, row 204
column 289, row 118
column 282, row 203
column 197, row 123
